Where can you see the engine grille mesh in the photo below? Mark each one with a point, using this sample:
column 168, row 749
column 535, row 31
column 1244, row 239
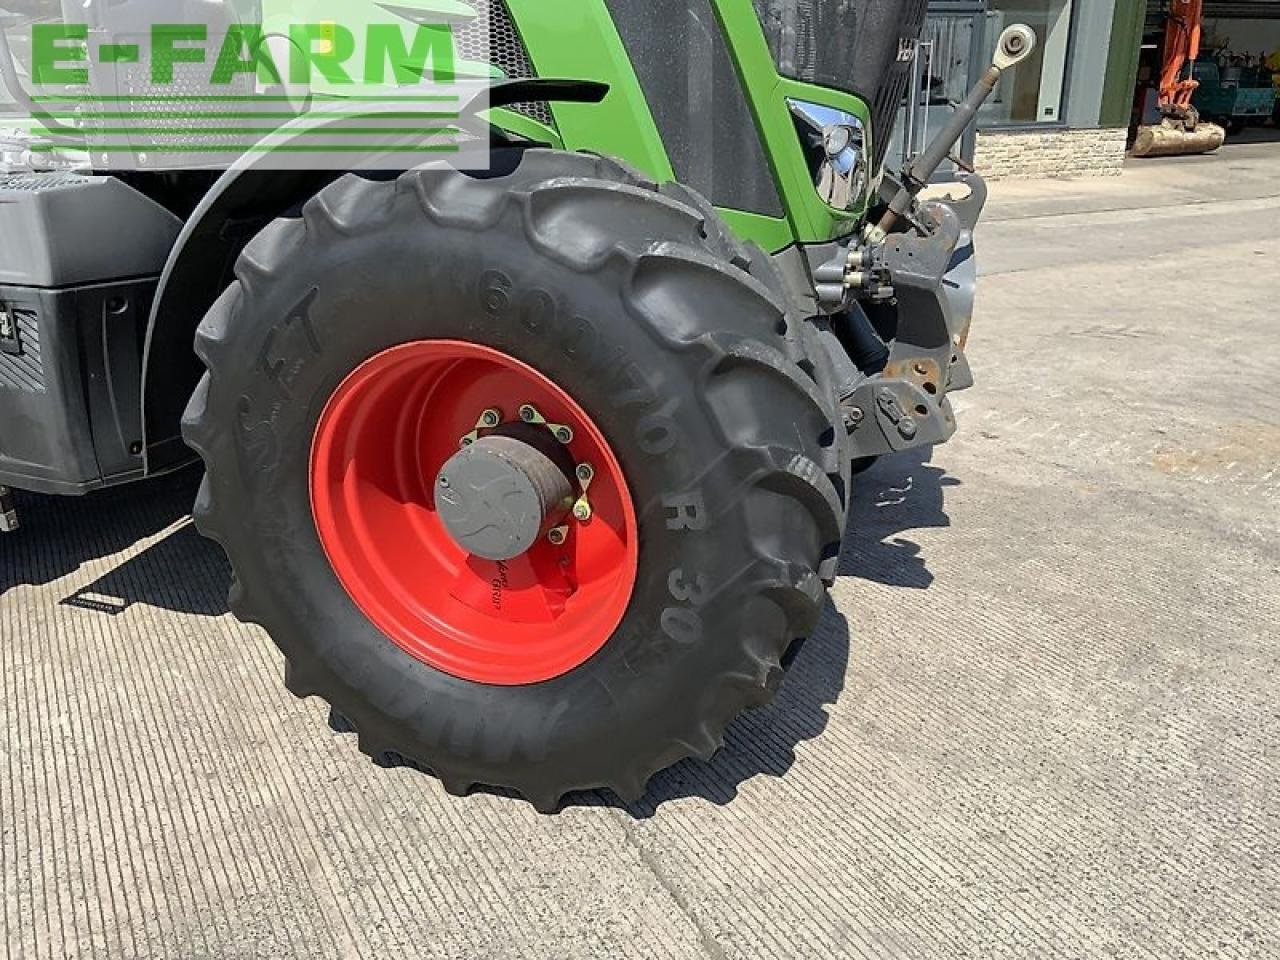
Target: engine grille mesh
column 859, row 46
column 157, row 123
column 40, row 182
column 506, row 50
column 888, row 98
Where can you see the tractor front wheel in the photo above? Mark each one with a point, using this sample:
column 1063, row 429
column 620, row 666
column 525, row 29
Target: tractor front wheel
column 532, row 477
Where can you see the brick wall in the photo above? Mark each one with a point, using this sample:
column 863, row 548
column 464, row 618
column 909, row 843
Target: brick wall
column 1050, row 153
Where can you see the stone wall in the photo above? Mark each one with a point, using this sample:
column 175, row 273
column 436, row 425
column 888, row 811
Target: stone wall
column 1019, row 154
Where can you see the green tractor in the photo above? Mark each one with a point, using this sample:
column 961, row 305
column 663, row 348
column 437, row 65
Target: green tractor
column 535, row 473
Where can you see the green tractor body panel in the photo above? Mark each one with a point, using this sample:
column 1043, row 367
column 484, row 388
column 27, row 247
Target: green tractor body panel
column 583, row 39
column 647, row 52
column 579, row 41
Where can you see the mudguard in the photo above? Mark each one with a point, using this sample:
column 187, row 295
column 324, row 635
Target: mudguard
column 239, row 204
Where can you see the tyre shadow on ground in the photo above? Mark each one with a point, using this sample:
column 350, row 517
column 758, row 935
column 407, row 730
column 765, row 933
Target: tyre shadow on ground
column 761, row 742
column 180, row 571
column 900, row 493
column 903, row 492
column 186, row 574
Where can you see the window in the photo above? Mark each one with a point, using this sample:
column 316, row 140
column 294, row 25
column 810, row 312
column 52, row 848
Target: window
column 1032, row 91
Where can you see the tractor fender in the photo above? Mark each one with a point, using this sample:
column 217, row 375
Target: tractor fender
column 238, row 205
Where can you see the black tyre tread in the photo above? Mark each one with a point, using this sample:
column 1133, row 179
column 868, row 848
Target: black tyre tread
column 563, row 195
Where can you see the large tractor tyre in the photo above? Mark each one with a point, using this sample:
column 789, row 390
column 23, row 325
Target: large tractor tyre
column 404, row 387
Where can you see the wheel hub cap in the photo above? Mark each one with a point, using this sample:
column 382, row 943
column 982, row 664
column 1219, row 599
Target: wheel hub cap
column 498, row 496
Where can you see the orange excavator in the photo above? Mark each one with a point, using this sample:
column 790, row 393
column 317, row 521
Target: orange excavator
column 1180, row 130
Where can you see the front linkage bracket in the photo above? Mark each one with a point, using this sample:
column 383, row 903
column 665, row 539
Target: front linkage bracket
column 916, row 259
column 906, row 405
column 895, row 415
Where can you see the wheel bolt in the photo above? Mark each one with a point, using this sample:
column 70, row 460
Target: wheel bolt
column 491, row 418
column 585, row 473
column 528, row 414
column 557, row 536
column 564, row 435
column 582, row 511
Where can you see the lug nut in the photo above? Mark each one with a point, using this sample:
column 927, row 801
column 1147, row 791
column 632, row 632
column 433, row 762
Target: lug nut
column 582, row 511
column 557, row 536
column 585, row 472
column 564, row 434
column 528, row 414
column 491, row 418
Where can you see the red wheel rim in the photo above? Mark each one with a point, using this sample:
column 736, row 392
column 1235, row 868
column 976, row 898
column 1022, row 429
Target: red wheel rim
column 379, row 445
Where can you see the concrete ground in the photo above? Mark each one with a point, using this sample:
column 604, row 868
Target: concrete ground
column 1041, row 717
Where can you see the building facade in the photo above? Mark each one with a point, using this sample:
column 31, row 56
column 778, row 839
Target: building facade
column 1065, row 112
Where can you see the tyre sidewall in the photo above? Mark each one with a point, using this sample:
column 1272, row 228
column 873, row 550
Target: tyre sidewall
column 353, row 297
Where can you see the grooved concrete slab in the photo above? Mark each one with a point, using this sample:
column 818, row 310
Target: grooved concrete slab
column 1039, row 719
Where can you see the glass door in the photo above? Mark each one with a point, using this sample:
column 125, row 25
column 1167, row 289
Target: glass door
column 948, row 62
column 1032, row 91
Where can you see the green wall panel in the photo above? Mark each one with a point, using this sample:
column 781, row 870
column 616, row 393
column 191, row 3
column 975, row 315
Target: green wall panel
column 1122, row 63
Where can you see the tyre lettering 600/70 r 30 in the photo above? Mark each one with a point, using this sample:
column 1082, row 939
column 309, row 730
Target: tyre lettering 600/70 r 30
column 657, row 432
